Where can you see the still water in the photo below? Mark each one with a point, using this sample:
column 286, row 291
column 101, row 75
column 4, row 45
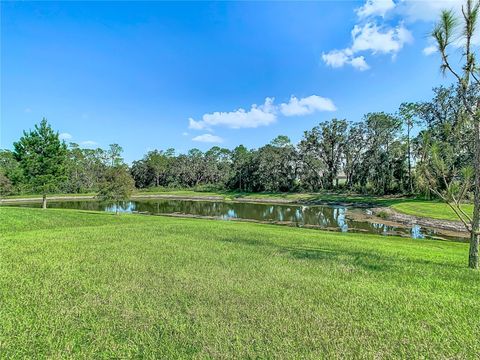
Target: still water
column 338, row 218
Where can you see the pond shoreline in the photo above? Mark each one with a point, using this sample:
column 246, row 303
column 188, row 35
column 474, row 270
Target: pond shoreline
column 377, row 210
column 392, row 215
column 372, row 218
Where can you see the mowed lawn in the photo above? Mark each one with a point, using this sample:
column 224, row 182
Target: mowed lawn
column 93, row 285
column 432, row 209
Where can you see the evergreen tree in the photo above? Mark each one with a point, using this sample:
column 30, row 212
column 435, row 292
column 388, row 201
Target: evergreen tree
column 43, row 157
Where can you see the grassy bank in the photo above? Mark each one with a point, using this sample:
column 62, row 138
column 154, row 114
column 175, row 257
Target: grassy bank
column 33, row 196
column 432, row 209
column 91, row 285
column 236, row 195
column 303, row 197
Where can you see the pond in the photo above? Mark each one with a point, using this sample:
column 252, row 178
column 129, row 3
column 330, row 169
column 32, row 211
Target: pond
column 337, row 218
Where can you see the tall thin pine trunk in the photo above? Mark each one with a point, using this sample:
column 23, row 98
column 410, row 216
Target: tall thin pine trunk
column 475, row 235
column 410, row 180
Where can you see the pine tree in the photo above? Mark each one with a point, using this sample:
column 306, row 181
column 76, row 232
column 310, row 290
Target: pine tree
column 43, row 157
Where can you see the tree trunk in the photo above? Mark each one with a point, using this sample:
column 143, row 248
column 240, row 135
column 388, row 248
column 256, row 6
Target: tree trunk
column 44, row 201
column 475, row 235
column 409, row 154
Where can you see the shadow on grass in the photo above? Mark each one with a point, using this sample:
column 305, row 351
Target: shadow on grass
column 370, row 262
column 367, row 261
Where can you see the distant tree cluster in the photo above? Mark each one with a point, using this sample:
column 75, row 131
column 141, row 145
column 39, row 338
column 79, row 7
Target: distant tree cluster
column 377, row 155
column 43, row 164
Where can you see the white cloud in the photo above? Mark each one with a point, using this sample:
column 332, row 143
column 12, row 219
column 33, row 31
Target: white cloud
column 375, row 8
column 373, row 34
column 208, row 138
column 65, row 136
column 339, row 58
column 27, row 110
column 429, row 11
column 336, row 58
column 426, row 10
column 371, row 37
column 185, row 133
column 262, row 115
column 195, row 125
column 88, row 143
column 359, row 63
column 429, row 50
column 305, row 106
column 409, row 10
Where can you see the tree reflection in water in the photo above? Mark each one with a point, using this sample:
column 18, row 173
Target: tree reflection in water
column 327, row 217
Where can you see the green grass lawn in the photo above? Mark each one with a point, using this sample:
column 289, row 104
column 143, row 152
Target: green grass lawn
column 436, row 210
column 31, row 196
column 237, row 195
column 232, row 195
column 97, row 285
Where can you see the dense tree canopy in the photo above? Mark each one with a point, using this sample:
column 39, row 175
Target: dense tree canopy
column 382, row 154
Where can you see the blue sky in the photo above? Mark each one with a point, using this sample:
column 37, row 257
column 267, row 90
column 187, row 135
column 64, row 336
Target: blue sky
column 135, row 73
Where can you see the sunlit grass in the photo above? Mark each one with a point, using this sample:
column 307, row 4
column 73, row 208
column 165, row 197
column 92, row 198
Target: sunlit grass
column 436, row 210
column 93, row 285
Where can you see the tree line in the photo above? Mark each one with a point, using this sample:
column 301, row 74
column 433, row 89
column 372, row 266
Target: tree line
column 377, row 155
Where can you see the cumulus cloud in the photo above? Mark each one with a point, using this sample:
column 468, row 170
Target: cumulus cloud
column 195, row 125
column 369, row 37
column 376, row 39
column 359, row 63
column 375, row 34
column 426, row 10
column 339, row 58
column 208, row 138
column 429, row 50
column 262, row 115
column 429, row 11
column 65, row 136
column 305, row 106
column 375, row 8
